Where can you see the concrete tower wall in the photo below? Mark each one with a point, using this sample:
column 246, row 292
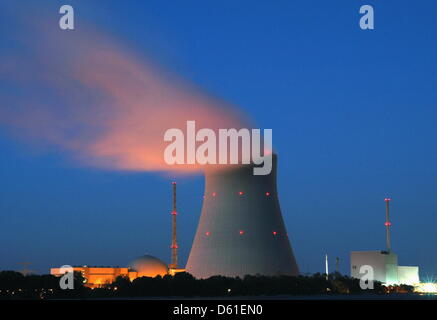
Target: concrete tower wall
column 241, row 230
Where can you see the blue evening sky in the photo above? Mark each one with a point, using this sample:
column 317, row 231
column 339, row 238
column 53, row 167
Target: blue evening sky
column 353, row 115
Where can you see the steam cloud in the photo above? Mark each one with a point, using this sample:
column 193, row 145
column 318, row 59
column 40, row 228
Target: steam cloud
column 82, row 92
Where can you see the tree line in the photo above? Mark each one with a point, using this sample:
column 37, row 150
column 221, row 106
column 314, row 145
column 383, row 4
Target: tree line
column 14, row 285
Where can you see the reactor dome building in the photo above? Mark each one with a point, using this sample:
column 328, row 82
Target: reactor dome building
column 149, row 266
column 241, row 230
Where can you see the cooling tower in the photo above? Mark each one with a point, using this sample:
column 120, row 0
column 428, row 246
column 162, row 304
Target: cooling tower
column 241, row 230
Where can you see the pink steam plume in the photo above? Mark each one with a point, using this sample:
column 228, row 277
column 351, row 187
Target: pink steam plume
column 100, row 103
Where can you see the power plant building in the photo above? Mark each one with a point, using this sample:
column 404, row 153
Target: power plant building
column 408, row 275
column 385, row 267
column 383, row 263
column 145, row 266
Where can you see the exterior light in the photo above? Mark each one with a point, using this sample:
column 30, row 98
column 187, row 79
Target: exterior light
column 241, row 193
column 426, row 287
column 214, row 194
column 274, row 233
column 207, row 233
column 267, row 194
column 241, row 232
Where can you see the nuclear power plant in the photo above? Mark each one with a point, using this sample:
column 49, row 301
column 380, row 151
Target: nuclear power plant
column 144, row 266
column 384, row 263
column 241, row 230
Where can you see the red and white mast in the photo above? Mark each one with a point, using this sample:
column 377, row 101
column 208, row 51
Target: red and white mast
column 387, row 223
